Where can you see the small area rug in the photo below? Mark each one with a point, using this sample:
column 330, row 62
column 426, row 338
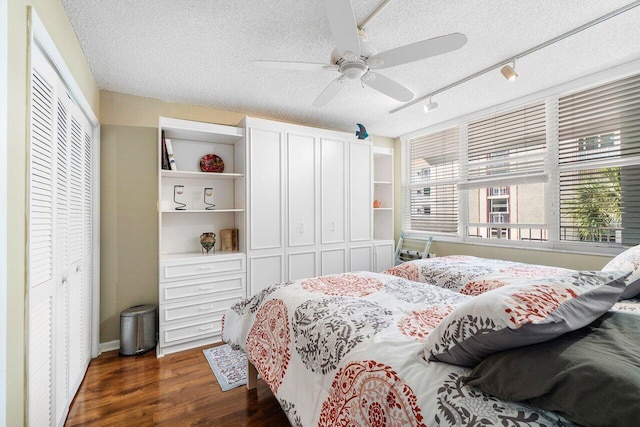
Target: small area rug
column 228, row 365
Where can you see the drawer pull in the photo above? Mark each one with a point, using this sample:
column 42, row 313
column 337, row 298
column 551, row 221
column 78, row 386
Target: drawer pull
column 205, row 267
column 206, row 308
column 206, row 328
column 205, row 288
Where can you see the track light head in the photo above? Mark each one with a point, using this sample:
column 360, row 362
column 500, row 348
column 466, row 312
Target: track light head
column 509, row 72
column 430, row 106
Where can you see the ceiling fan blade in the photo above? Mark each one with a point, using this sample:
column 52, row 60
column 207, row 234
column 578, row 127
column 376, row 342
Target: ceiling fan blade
column 343, row 26
column 329, row 92
column 387, row 86
column 419, row 50
column 291, row 65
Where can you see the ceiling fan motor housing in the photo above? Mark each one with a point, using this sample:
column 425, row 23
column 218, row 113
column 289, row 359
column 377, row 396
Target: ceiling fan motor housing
column 354, row 70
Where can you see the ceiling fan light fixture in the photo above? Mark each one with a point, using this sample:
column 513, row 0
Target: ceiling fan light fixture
column 368, row 77
column 350, row 56
column 509, row 72
column 375, row 62
column 430, row 106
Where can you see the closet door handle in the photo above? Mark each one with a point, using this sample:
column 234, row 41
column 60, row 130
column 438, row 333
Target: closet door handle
column 333, row 226
column 301, row 228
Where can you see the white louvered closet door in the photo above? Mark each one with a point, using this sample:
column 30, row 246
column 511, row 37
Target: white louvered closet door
column 41, row 246
column 60, row 247
column 62, row 257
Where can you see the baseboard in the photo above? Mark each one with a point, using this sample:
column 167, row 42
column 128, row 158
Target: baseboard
column 109, row 346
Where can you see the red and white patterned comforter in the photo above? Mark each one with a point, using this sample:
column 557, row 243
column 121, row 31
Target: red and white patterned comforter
column 347, row 350
column 471, row 275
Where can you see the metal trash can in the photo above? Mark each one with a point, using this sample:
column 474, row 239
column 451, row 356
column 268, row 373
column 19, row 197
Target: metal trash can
column 137, row 329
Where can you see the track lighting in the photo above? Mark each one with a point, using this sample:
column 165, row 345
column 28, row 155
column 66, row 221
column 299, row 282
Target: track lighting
column 430, row 106
column 509, row 72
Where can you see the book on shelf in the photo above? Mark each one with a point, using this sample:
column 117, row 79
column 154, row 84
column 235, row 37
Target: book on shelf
column 229, row 239
column 172, row 160
column 165, row 158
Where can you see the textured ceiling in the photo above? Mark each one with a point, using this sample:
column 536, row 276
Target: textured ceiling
column 200, row 51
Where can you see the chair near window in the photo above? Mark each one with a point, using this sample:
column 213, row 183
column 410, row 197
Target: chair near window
column 409, row 247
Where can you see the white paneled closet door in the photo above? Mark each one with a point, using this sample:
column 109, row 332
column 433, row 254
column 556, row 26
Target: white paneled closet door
column 60, row 246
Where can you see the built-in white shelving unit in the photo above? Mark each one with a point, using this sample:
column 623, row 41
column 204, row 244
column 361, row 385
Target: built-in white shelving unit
column 383, row 207
column 383, row 193
column 195, row 288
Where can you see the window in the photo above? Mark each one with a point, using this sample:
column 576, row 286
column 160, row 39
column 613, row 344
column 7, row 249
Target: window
column 599, row 163
column 432, row 188
column 506, row 175
column 575, row 157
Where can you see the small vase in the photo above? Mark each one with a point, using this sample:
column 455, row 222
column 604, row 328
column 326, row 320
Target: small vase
column 208, row 240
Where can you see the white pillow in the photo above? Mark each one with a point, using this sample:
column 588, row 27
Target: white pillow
column 520, row 314
column 628, row 260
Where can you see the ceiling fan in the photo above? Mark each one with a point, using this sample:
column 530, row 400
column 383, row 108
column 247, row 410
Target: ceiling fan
column 354, row 58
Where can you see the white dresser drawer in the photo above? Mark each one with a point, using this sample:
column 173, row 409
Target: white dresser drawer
column 205, row 287
column 184, row 269
column 202, row 307
column 174, row 334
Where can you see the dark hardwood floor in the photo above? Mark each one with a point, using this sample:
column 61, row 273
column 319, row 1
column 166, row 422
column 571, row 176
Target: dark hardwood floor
column 176, row 390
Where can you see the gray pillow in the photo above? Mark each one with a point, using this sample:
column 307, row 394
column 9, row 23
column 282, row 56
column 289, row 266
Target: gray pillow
column 590, row 376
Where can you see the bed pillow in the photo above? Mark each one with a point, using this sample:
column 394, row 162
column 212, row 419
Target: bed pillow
column 590, row 376
column 628, row 260
column 523, row 313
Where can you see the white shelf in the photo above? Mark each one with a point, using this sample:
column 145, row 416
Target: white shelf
column 202, row 211
column 382, row 151
column 198, row 255
column 382, row 209
column 382, row 183
column 200, row 131
column 200, row 175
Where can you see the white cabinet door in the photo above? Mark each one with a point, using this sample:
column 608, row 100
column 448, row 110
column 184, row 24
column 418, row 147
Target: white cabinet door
column 333, row 190
column 360, row 182
column 265, row 189
column 301, row 189
column 264, row 271
column 383, row 254
column 333, row 261
column 301, row 265
column 361, row 258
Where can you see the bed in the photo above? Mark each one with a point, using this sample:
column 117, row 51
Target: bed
column 364, row 348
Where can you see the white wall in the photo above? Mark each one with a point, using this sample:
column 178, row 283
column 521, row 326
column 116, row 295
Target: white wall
column 3, row 208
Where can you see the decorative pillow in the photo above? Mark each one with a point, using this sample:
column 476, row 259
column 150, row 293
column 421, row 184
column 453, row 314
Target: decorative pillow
column 590, row 376
column 525, row 313
column 628, row 260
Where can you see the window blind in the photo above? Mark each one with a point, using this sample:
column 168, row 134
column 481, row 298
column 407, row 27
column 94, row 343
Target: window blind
column 434, row 170
column 507, row 144
column 599, row 163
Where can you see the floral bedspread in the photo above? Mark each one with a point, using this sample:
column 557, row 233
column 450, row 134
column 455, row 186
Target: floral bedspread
column 628, row 305
column 347, row 350
column 470, row 275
